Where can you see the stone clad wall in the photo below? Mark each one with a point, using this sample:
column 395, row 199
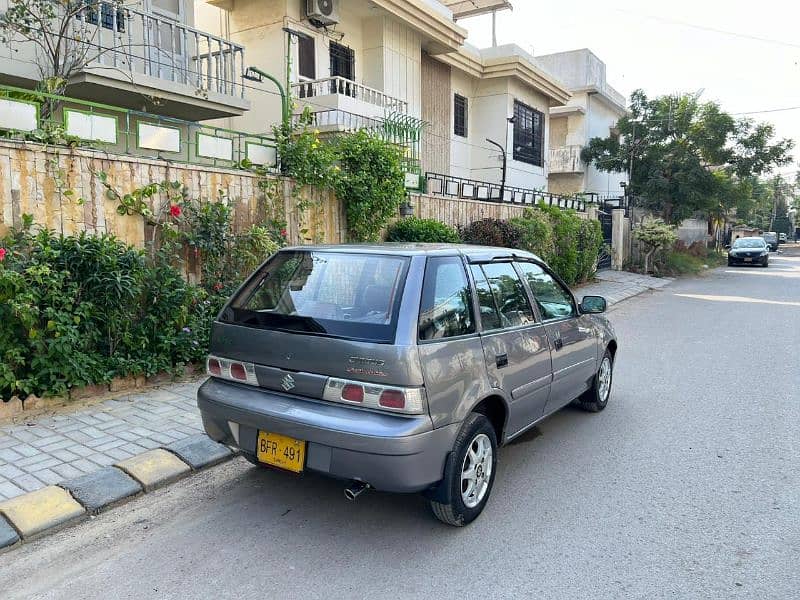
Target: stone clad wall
column 47, row 182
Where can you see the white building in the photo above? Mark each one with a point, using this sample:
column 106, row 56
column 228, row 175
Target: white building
column 593, row 111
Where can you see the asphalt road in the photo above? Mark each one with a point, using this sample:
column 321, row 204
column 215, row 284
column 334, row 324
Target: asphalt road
column 687, row 486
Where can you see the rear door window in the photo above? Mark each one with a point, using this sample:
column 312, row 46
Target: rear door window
column 346, row 295
column 501, row 297
column 446, row 308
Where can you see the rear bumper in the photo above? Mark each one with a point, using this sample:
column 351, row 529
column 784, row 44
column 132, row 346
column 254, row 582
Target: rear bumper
column 390, row 452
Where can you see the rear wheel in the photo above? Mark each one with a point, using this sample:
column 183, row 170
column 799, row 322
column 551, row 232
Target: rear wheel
column 596, row 398
column 469, row 483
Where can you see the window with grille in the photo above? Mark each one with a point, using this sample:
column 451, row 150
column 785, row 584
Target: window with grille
column 343, row 61
column 306, row 57
column 460, row 123
column 528, row 134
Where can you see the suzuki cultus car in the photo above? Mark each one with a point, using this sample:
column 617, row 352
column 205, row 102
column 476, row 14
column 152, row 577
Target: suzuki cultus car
column 401, row 368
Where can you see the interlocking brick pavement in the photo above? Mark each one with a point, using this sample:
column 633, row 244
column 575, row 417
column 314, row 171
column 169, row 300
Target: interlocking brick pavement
column 49, row 449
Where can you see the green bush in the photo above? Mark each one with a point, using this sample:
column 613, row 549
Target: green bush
column 568, row 243
column 492, row 232
column 83, row 309
column 536, row 233
column 414, row 229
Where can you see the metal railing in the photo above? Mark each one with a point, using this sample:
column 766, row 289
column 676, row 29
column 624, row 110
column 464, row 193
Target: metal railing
column 138, row 42
column 340, row 120
column 344, row 87
column 29, row 115
column 439, row 184
column 566, row 159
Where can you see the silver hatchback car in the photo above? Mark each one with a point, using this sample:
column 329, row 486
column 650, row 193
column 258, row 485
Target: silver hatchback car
column 401, row 368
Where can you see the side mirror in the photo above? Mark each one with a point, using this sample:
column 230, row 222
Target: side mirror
column 727, row 246
column 592, row 305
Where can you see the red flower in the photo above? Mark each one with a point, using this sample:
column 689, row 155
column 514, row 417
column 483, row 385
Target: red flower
column 283, row 233
column 175, row 210
column 217, row 287
column 2, row 254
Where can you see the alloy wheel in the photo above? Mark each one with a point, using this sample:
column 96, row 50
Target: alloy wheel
column 604, row 380
column 476, row 471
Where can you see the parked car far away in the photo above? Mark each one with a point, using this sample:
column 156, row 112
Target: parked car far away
column 782, row 238
column 771, row 238
column 401, row 368
column 749, row 251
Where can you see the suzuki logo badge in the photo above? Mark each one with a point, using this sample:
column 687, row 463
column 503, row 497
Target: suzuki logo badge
column 287, row 383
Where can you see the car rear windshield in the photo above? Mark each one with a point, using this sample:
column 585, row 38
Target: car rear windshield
column 355, row 296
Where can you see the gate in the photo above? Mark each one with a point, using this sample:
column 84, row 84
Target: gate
column 604, row 258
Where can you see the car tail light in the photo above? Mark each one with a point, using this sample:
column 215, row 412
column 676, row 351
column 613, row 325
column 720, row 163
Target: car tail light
column 238, row 372
column 353, row 393
column 234, row 370
column 213, row 367
column 406, row 400
column 392, row 399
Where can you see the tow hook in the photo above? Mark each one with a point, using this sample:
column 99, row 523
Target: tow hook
column 355, row 489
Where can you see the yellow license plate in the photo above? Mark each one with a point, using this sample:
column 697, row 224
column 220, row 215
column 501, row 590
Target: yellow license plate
column 281, row 451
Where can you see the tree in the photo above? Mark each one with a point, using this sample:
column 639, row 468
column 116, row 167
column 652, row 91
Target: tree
column 685, row 156
column 62, row 32
column 654, row 234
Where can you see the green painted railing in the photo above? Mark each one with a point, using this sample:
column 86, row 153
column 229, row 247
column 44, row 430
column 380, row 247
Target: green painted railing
column 55, row 119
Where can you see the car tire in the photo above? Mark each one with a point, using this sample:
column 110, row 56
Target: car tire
column 596, row 398
column 475, row 450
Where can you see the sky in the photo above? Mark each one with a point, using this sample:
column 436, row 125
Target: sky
column 744, row 55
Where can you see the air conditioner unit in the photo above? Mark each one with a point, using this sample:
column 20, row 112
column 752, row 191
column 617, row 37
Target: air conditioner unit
column 322, row 12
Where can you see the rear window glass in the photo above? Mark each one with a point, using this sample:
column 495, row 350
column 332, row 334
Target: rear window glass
column 328, row 293
column 445, row 310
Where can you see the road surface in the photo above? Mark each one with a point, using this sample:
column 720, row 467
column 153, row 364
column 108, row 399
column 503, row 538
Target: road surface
column 687, row 486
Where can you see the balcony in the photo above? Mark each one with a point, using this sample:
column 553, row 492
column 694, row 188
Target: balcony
column 135, row 54
column 340, row 94
column 566, row 159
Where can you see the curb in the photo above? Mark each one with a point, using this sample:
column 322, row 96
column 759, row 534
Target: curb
column 54, row 507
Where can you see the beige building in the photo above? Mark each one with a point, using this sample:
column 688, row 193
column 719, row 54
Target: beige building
column 404, row 59
column 592, row 111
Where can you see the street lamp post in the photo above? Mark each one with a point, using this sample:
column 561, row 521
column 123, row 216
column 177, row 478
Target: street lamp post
column 502, row 149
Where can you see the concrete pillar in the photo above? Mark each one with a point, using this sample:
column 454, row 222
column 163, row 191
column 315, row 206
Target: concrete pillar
column 617, row 238
column 591, row 212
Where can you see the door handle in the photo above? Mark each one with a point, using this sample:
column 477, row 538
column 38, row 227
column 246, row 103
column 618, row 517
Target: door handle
column 501, row 360
column 558, row 343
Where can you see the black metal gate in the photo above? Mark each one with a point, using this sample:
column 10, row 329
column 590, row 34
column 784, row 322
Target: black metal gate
column 604, row 258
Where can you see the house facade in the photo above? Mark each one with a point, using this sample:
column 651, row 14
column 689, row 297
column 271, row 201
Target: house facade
column 147, row 57
column 593, row 111
column 405, row 60
column 481, row 103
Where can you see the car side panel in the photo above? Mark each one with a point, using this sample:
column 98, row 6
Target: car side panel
column 527, row 376
column 574, row 362
column 454, row 375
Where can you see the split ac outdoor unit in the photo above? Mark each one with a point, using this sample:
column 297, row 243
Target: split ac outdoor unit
column 322, row 12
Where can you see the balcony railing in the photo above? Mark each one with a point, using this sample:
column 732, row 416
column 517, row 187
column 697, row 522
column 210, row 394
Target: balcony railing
column 566, row 159
column 344, row 87
column 136, row 42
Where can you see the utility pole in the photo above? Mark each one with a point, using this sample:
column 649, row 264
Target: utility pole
column 494, row 29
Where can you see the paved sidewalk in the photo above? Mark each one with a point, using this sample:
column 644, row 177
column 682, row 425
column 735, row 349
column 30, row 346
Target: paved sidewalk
column 50, row 449
column 617, row 286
